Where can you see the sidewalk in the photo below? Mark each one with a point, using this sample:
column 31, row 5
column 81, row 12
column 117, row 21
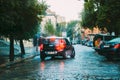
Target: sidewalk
column 30, row 52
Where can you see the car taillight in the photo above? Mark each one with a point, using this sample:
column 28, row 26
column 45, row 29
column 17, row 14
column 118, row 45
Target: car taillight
column 41, row 47
column 60, row 47
column 117, row 46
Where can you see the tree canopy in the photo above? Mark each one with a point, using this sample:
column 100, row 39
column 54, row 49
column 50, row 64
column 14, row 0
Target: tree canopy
column 102, row 13
column 49, row 28
column 60, row 28
column 70, row 29
column 19, row 19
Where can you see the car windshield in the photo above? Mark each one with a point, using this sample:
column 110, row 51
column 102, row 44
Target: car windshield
column 116, row 40
column 54, row 40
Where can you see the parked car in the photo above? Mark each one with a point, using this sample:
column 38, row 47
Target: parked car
column 104, row 38
column 84, row 42
column 89, row 43
column 56, row 46
column 5, row 48
column 110, row 49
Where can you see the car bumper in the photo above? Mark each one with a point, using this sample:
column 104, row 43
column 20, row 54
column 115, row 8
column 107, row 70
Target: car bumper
column 52, row 53
column 106, row 52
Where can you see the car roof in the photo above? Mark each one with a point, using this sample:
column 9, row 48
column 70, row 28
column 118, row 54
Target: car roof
column 115, row 40
column 104, row 36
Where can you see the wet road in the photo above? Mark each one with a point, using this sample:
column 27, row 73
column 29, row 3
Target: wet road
column 87, row 65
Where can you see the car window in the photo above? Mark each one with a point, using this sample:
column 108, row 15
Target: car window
column 107, row 38
column 50, row 41
column 55, row 41
column 46, row 41
column 60, row 41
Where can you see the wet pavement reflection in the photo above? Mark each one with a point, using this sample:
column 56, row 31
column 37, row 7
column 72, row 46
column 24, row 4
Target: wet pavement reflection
column 87, row 65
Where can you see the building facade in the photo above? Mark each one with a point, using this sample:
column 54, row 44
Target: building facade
column 53, row 17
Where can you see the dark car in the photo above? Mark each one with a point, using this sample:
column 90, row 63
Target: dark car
column 111, row 48
column 104, row 38
column 56, row 46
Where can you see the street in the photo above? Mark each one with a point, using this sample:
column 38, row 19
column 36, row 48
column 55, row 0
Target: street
column 87, row 65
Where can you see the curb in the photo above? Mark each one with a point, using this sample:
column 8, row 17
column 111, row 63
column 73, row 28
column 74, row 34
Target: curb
column 17, row 61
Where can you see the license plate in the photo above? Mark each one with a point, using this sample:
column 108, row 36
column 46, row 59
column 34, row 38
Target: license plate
column 52, row 52
column 106, row 46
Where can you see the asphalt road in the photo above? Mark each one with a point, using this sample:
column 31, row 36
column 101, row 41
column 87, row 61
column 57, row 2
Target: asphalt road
column 87, row 65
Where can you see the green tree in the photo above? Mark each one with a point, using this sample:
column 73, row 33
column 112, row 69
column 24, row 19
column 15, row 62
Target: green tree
column 108, row 15
column 60, row 28
column 103, row 13
column 70, row 29
column 49, row 28
column 89, row 14
column 19, row 20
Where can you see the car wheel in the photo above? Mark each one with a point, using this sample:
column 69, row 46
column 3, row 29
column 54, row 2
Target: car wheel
column 73, row 54
column 67, row 54
column 42, row 56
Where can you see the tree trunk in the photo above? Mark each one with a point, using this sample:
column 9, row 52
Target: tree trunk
column 11, row 56
column 22, row 48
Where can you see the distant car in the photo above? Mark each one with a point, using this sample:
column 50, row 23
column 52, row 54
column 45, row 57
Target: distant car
column 110, row 49
column 74, row 42
column 89, row 43
column 84, row 41
column 5, row 48
column 56, row 46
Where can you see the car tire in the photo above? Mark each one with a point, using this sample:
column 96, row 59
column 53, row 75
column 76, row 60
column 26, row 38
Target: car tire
column 73, row 54
column 67, row 54
column 42, row 56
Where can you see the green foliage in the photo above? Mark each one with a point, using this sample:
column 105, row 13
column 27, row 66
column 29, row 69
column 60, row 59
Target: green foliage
column 19, row 20
column 60, row 28
column 88, row 15
column 20, row 17
column 104, row 13
column 49, row 28
column 70, row 29
column 108, row 15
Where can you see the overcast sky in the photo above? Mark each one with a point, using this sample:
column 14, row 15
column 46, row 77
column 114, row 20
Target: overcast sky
column 70, row 9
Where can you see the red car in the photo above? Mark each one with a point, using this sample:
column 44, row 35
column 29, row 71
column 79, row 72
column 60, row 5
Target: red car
column 56, row 46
